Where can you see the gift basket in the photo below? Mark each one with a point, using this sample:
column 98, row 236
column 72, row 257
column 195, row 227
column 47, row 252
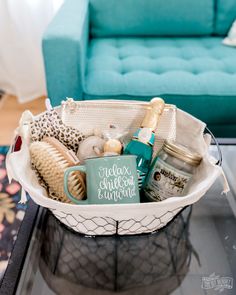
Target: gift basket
column 96, row 133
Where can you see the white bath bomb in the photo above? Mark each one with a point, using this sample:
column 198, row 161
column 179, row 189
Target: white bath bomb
column 91, row 147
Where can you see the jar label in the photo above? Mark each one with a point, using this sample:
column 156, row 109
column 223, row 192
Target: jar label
column 165, row 181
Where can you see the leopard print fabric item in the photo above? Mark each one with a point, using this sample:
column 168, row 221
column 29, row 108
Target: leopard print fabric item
column 50, row 124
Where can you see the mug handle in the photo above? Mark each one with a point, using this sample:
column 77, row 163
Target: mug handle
column 81, row 168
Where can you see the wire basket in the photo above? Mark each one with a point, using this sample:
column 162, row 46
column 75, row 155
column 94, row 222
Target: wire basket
column 95, row 225
column 149, row 262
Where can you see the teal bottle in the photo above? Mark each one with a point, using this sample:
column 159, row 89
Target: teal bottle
column 143, row 139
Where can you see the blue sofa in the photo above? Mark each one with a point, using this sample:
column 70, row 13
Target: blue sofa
column 137, row 49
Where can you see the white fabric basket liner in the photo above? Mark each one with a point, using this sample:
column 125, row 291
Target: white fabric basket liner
column 121, row 218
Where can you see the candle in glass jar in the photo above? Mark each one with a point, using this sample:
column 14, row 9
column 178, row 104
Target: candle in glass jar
column 171, row 172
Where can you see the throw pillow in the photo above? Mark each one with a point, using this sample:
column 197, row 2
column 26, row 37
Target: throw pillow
column 231, row 38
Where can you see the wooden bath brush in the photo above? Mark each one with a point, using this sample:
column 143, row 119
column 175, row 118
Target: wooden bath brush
column 51, row 158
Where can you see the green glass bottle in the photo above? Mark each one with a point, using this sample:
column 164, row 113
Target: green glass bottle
column 143, row 139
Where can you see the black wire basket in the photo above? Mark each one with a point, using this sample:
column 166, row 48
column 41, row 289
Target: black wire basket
column 149, row 263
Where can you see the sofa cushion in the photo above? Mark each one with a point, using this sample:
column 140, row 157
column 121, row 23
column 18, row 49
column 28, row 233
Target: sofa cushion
column 225, row 15
column 157, row 66
column 152, row 17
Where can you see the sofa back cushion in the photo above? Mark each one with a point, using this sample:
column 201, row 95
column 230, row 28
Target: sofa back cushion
column 151, row 17
column 225, row 15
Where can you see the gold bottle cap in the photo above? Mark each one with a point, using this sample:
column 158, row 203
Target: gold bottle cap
column 182, row 152
column 152, row 116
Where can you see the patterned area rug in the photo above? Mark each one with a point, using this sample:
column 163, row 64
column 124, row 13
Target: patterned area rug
column 11, row 213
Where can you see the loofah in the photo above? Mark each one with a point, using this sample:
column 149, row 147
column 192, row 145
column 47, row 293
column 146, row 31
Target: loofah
column 50, row 124
column 50, row 159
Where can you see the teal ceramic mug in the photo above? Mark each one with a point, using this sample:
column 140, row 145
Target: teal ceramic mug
column 109, row 180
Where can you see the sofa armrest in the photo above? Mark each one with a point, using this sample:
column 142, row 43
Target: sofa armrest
column 65, row 49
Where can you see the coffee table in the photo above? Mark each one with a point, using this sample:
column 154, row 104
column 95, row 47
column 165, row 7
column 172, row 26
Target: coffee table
column 194, row 254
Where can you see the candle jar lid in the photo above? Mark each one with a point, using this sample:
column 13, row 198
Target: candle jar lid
column 182, row 152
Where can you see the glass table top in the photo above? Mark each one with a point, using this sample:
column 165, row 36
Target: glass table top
column 194, row 254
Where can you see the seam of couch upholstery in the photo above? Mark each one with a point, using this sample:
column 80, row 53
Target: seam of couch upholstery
column 215, row 17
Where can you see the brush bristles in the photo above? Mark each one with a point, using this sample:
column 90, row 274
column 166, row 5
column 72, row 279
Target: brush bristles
column 51, row 166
